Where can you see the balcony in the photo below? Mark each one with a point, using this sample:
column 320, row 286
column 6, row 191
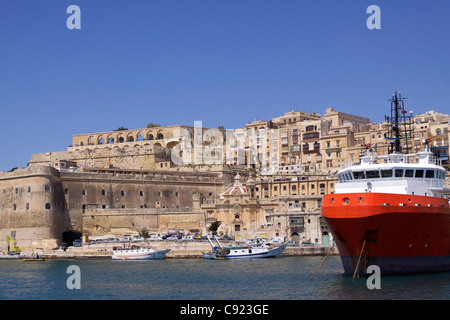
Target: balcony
column 307, row 149
column 311, row 135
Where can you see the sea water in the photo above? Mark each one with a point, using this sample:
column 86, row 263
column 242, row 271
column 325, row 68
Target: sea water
column 287, row 278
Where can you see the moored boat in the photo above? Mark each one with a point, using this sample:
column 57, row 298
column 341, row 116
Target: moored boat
column 34, row 259
column 133, row 252
column 391, row 211
column 245, row 252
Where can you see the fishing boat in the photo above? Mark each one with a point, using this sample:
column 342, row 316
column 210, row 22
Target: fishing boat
column 392, row 210
column 133, row 252
column 256, row 251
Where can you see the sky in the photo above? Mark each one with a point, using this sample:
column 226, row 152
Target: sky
column 223, row 62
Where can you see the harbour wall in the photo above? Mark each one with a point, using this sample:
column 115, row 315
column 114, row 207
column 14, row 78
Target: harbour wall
column 178, row 249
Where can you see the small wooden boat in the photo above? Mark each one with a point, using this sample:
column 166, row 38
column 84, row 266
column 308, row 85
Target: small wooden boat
column 34, row 259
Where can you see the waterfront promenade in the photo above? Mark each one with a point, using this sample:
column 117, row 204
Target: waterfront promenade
column 178, row 249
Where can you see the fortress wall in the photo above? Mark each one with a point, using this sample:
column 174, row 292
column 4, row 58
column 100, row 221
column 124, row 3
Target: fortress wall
column 141, row 157
column 40, row 203
column 31, row 207
column 119, row 222
column 129, row 193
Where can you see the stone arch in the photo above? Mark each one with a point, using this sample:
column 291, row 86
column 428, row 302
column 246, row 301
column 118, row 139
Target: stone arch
column 91, row 141
column 70, row 236
column 130, row 137
column 160, row 135
column 139, row 137
column 100, row 140
column 120, row 138
column 150, row 136
column 110, row 139
column 172, row 144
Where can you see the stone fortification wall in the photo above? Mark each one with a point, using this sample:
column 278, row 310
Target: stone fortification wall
column 120, row 222
column 32, row 207
column 43, row 207
column 140, row 157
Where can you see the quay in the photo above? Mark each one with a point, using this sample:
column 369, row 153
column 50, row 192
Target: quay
column 178, row 250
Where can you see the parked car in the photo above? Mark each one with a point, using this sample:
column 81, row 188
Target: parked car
column 307, row 242
column 77, row 243
column 155, row 238
column 187, row 238
column 172, row 237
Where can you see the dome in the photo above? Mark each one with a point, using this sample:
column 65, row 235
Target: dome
column 237, row 188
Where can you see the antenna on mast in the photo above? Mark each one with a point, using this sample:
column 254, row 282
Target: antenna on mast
column 400, row 125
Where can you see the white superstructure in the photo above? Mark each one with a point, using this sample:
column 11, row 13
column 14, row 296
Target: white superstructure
column 414, row 174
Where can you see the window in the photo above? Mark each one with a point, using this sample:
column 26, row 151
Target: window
column 83, row 192
column 419, row 173
column 14, row 207
column 141, row 193
column 29, row 189
column 27, row 206
column 386, row 173
column 122, row 193
column 429, row 174
column 103, row 192
column 409, row 173
column 371, row 174
column 359, row 174
column 48, row 206
column 47, row 188
column 398, row 173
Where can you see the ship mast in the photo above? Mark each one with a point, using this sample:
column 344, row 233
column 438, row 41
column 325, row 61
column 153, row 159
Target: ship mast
column 400, row 125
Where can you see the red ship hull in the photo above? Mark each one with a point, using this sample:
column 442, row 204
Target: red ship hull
column 398, row 233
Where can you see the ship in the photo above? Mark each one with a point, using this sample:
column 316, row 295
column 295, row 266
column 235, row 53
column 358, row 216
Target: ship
column 132, row 252
column 392, row 210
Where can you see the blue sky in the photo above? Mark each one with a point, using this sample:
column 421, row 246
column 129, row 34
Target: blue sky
column 222, row 62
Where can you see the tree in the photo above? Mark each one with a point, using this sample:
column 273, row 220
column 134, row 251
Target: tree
column 144, row 233
column 214, row 226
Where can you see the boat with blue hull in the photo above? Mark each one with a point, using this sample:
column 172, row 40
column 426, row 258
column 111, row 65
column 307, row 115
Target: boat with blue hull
column 258, row 251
